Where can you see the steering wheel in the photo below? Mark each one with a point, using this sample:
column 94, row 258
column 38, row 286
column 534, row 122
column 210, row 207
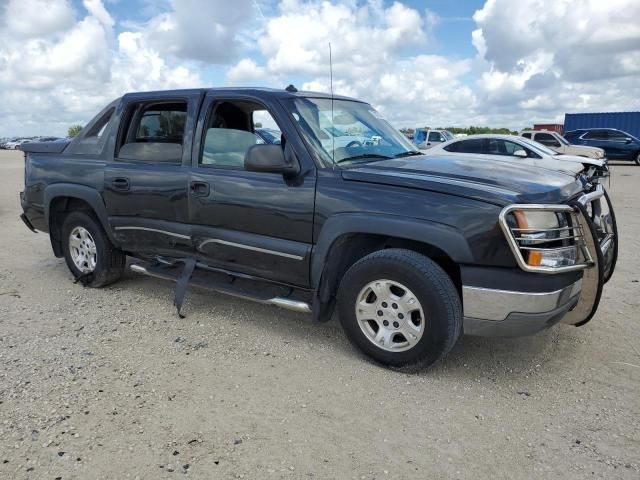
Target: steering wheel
column 353, row 143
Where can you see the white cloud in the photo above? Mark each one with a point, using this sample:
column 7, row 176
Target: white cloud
column 370, row 44
column 204, row 30
column 536, row 59
column 27, row 18
column 361, row 35
column 567, row 56
column 56, row 76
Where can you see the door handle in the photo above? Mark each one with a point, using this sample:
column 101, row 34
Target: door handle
column 200, row 189
column 120, row 183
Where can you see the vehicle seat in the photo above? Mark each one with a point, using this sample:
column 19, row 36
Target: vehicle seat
column 227, row 147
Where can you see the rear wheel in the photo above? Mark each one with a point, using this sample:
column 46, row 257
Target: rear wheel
column 89, row 253
column 400, row 308
column 637, row 159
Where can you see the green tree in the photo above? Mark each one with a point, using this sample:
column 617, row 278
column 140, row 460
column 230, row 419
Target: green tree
column 74, row 130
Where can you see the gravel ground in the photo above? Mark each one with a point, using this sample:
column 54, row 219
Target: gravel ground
column 110, row 383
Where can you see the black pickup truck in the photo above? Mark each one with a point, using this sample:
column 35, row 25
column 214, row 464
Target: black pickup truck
column 343, row 213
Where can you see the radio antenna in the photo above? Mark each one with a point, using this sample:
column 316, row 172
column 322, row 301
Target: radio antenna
column 333, row 137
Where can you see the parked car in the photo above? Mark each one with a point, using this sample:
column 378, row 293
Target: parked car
column 425, row 138
column 15, row 144
column 412, row 250
column 556, row 142
column 618, row 145
column 512, row 148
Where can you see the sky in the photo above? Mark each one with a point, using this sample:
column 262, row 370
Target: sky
column 500, row 63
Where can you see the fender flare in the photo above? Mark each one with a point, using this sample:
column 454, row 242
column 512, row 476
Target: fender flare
column 323, row 276
column 81, row 192
column 446, row 238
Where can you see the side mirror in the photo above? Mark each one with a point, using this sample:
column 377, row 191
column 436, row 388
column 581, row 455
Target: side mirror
column 520, row 153
column 271, row 159
column 627, row 140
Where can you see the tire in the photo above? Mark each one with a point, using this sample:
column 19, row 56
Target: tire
column 106, row 266
column 637, row 159
column 438, row 304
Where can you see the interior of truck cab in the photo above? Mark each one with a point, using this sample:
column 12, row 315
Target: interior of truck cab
column 230, row 132
column 155, row 132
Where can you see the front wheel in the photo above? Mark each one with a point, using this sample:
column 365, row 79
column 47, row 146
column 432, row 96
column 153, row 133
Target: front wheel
column 400, row 308
column 637, row 159
column 89, row 253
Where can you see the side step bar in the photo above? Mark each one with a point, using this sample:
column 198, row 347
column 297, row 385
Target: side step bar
column 228, row 289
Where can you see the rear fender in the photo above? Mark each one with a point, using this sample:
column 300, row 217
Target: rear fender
column 90, row 195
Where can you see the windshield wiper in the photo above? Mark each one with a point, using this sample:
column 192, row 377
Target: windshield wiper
column 409, row 153
column 363, row 156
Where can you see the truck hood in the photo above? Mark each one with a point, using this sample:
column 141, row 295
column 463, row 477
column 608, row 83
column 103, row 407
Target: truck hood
column 501, row 183
column 585, row 150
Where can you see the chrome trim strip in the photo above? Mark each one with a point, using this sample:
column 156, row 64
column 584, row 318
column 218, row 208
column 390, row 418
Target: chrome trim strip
column 497, row 305
column 250, row 247
column 156, row 230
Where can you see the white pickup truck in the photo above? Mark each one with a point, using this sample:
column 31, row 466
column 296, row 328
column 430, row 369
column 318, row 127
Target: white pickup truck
column 558, row 143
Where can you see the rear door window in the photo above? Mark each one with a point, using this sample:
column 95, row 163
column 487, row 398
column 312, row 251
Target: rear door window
column 154, row 132
column 597, row 135
column 474, row 145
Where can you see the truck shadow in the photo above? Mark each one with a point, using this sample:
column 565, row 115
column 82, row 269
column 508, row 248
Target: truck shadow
column 472, row 357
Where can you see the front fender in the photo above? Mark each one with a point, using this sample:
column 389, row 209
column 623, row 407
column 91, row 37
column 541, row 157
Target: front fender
column 444, row 237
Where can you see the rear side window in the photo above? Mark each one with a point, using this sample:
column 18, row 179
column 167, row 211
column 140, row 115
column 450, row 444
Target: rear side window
column 616, row 135
column 92, row 138
column 526, row 135
column 154, row 132
column 597, row 135
column 474, row 145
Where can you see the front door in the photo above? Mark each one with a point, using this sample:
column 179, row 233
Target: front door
column 249, row 222
column 146, row 184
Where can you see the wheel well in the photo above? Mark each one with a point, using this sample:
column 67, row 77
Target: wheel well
column 349, row 248
column 58, row 210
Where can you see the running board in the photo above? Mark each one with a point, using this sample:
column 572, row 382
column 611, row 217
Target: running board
column 228, row 289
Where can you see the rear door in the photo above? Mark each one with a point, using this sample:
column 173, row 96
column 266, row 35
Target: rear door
column 146, row 185
column 256, row 223
column 621, row 146
column 600, row 138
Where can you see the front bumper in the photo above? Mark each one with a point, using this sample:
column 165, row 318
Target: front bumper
column 524, row 303
column 506, row 313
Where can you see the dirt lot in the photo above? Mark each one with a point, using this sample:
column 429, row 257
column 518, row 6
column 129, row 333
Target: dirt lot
column 112, row 384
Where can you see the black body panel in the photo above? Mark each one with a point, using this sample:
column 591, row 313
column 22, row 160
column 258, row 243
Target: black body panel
column 272, row 226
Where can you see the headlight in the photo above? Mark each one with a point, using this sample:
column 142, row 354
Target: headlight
column 545, row 238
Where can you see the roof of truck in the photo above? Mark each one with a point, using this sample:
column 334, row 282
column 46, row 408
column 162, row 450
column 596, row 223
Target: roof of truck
column 254, row 91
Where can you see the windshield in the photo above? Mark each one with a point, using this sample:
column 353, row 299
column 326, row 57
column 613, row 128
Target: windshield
column 538, row 147
column 448, row 135
column 363, row 134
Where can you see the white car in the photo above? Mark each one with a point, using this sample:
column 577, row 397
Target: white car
column 13, row 145
column 517, row 149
